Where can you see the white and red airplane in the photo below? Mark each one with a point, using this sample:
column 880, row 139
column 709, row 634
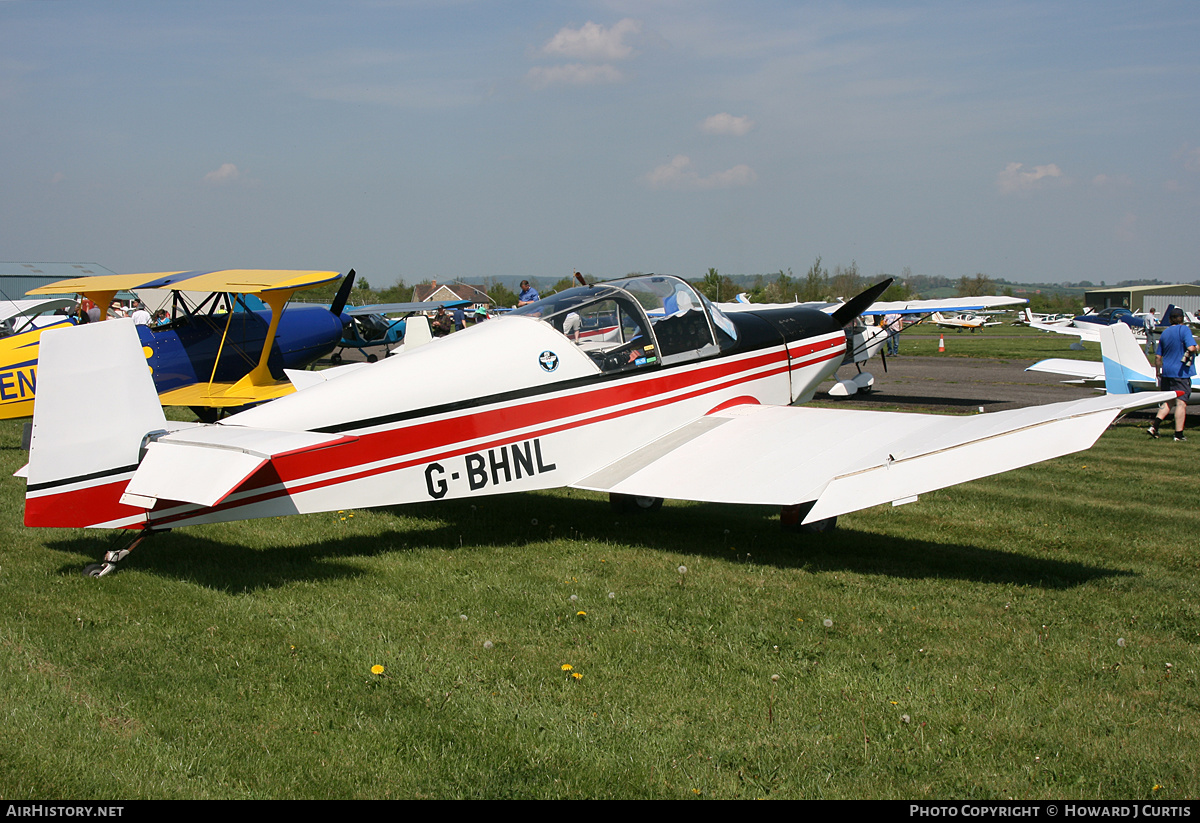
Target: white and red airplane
column 679, row 400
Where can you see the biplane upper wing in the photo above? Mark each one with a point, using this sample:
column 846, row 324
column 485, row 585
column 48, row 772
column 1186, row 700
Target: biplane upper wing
column 240, row 281
column 847, row 460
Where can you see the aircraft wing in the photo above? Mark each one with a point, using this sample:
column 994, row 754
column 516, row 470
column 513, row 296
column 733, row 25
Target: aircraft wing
column 28, row 308
column 240, row 281
column 847, row 460
column 954, row 304
column 1091, row 335
column 1088, row 371
column 958, row 304
column 401, row 308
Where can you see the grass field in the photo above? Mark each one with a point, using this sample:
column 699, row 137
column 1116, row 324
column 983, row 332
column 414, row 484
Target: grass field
column 1034, row 635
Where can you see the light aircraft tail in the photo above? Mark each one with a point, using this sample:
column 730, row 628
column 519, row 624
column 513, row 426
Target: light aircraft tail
column 95, row 406
column 1126, row 368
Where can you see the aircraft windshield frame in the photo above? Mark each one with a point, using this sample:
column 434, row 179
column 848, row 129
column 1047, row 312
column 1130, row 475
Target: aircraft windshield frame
column 670, row 319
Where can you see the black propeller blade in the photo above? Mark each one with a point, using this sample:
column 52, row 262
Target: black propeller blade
column 343, row 294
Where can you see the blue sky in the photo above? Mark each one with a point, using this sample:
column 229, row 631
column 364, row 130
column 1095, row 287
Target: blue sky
column 1043, row 141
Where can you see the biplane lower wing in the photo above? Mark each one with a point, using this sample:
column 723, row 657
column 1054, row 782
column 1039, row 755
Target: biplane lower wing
column 847, row 460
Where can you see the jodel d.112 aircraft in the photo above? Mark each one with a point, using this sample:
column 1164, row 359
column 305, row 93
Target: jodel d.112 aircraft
column 666, row 396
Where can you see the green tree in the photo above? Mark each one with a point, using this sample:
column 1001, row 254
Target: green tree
column 501, row 294
column 816, row 282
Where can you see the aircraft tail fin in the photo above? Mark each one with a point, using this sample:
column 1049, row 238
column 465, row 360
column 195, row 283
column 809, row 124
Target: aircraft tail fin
column 416, row 333
column 1124, row 362
column 95, row 405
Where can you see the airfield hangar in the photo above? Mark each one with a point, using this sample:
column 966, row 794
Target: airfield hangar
column 1144, row 298
column 18, row 278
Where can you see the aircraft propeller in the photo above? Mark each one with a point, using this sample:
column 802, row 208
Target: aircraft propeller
column 343, row 294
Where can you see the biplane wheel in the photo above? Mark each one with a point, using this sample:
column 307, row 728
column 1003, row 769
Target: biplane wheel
column 632, row 503
column 93, row 569
column 335, row 358
column 371, row 358
column 791, row 517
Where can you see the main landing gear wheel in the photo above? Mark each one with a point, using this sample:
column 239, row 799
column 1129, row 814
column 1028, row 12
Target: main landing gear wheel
column 791, row 517
column 632, row 503
column 371, row 358
column 335, row 358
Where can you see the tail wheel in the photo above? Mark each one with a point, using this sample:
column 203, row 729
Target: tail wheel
column 632, row 503
column 371, row 358
column 791, row 519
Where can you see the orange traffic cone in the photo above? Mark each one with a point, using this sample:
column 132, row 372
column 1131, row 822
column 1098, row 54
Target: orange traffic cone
column 941, row 342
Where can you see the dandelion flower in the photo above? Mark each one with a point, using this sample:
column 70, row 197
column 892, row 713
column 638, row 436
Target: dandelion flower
column 487, row 644
column 574, row 597
column 581, row 614
column 905, row 718
column 377, row 669
column 577, row 675
column 828, row 623
column 682, row 570
column 774, row 678
column 566, row 667
column 612, row 595
column 1121, row 642
column 462, row 617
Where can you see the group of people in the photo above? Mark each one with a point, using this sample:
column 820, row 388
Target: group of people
column 89, row 312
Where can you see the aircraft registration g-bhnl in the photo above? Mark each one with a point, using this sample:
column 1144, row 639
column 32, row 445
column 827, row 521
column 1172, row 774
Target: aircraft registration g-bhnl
column 673, row 399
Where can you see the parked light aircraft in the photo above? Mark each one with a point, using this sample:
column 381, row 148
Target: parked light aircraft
column 965, row 320
column 679, row 400
column 370, row 326
column 221, row 353
column 1123, row 369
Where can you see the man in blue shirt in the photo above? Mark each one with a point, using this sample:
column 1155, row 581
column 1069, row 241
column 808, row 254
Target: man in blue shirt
column 1174, row 367
column 528, row 294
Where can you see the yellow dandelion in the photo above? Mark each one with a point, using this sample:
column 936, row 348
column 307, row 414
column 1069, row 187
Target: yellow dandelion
column 377, row 669
column 566, row 667
column 581, row 614
column 577, row 675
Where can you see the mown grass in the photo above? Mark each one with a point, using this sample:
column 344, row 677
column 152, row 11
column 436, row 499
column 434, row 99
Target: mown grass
column 1034, row 635
column 1004, row 342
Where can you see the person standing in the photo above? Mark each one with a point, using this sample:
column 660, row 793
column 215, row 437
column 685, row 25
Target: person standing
column 140, row 316
column 528, row 294
column 892, row 323
column 1174, row 367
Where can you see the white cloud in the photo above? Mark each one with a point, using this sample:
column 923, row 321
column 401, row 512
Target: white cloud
column 226, row 174
column 573, row 74
column 594, row 42
column 1012, row 179
column 725, row 123
column 679, row 174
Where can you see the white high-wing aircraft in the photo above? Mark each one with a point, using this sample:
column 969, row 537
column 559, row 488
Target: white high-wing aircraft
column 680, row 400
column 1123, row 369
column 864, row 342
column 17, row 316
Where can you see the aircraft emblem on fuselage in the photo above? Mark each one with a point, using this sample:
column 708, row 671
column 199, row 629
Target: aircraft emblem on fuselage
column 548, row 360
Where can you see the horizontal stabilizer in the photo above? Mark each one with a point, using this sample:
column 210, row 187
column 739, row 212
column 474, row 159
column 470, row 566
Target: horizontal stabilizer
column 847, row 460
column 204, row 465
